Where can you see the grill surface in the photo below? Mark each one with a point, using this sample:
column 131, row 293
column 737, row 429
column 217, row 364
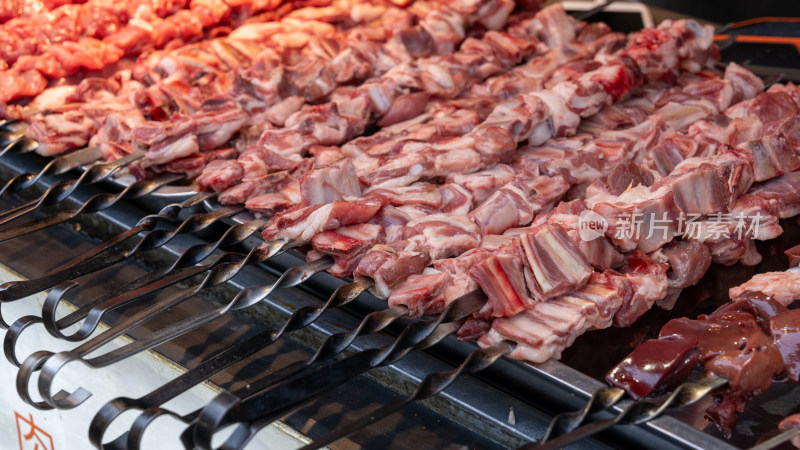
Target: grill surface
column 473, row 412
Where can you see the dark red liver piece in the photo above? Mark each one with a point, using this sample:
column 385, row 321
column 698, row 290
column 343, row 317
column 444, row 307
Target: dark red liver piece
column 656, row 366
column 794, row 256
column 758, row 304
column 785, row 330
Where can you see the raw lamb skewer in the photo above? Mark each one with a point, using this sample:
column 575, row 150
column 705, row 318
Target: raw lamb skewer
column 329, row 122
column 776, row 198
column 82, row 41
column 184, row 78
column 285, row 222
column 15, row 9
column 785, row 188
column 223, row 176
column 458, row 152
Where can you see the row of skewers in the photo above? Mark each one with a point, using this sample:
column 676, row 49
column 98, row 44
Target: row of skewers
column 219, row 271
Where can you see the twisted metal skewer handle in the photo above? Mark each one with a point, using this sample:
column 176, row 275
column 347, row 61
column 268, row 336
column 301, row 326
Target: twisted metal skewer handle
column 301, row 318
column 222, row 271
column 264, row 408
column 431, row 385
column 56, row 166
column 95, row 310
column 298, row 392
column 291, row 277
column 96, row 203
column 601, row 399
column 168, row 213
column 87, row 264
column 639, row 412
column 63, row 189
column 17, row 142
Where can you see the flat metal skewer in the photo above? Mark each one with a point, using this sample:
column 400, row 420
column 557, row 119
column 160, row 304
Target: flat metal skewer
column 638, row 412
column 150, row 404
column 333, row 345
column 15, row 290
column 431, row 385
column 260, row 409
column 56, row 166
column 96, row 203
column 50, row 364
column 565, row 422
column 63, row 189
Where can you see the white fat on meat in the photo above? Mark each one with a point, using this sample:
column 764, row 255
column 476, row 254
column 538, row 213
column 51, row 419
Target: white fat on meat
column 564, row 121
column 52, row 98
column 557, row 266
column 59, row 132
column 335, row 181
column 541, row 332
column 783, row 287
column 483, row 183
column 443, row 235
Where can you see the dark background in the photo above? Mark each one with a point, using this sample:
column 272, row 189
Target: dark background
column 722, row 11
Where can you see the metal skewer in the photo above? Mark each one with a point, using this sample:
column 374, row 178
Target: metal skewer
column 151, row 402
column 259, row 409
column 56, row 166
column 333, row 345
column 95, row 310
column 50, row 364
column 431, row 385
column 638, row 412
column 16, row 142
column 167, row 214
column 63, row 189
column 86, row 264
column 600, row 400
column 778, row 439
column 96, row 203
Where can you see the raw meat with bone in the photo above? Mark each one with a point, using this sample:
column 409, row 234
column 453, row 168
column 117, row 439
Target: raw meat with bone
column 653, row 299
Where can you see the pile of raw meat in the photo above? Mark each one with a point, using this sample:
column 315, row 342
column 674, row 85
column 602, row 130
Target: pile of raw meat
column 576, row 175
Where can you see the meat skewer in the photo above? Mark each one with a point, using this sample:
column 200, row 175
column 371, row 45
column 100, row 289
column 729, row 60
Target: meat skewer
column 15, row 9
column 84, row 258
column 150, row 26
column 211, row 70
